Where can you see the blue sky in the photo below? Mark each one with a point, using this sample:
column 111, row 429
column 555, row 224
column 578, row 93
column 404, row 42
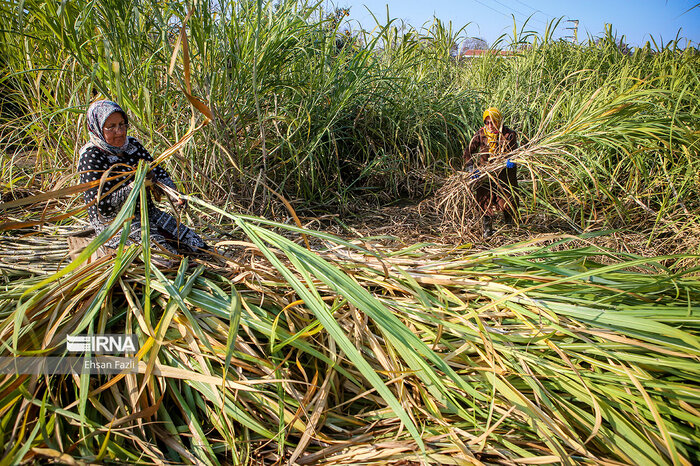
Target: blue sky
column 638, row 20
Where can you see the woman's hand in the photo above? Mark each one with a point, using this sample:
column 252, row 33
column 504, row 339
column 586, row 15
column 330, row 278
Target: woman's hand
column 180, row 203
column 150, row 182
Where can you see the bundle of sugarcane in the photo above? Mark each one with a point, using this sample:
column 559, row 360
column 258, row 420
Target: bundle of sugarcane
column 455, row 201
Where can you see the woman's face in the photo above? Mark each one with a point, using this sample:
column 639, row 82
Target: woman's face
column 114, row 130
column 489, row 124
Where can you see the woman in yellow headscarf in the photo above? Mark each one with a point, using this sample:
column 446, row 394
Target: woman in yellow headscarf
column 493, row 195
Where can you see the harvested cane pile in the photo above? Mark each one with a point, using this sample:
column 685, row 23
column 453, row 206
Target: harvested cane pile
column 352, row 352
column 456, row 205
column 455, row 201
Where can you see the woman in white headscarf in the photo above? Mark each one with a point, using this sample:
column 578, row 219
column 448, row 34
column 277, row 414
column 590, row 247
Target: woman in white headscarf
column 111, row 148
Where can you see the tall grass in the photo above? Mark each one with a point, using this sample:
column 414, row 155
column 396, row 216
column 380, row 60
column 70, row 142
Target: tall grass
column 610, row 139
column 290, row 106
column 622, row 130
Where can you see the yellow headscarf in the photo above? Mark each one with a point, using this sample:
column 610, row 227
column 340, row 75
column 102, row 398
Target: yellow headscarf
column 497, row 119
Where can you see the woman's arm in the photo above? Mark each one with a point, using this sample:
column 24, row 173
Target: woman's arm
column 472, row 148
column 512, row 140
column 159, row 173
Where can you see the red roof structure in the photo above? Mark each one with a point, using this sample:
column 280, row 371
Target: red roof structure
column 473, row 53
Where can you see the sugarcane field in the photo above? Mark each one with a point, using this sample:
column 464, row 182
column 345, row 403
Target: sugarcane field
column 250, row 233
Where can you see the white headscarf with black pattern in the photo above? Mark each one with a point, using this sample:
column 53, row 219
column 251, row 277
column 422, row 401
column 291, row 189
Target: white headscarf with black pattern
column 97, row 114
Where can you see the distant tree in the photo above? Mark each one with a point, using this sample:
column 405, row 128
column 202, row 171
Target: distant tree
column 337, row 17
column 474, row 43
column 619, row 44
column 343, row 38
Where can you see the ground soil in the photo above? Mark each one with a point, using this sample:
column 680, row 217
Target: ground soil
column 412, row 222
